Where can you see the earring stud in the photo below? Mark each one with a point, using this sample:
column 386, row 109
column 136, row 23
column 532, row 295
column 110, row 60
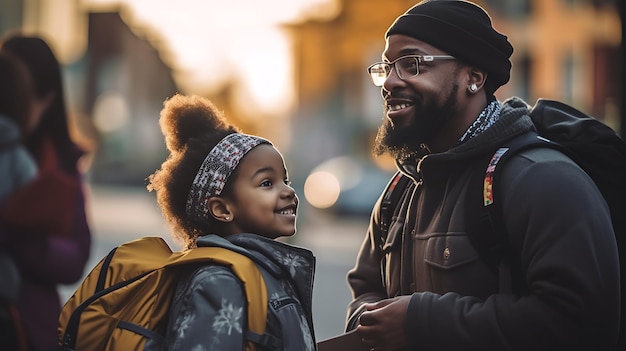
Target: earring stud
column 227, row 218
column 473, row 87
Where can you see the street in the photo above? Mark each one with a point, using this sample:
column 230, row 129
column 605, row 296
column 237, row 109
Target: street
column 118, row 215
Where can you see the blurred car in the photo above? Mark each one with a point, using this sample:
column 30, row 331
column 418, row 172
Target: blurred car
column 346, row 186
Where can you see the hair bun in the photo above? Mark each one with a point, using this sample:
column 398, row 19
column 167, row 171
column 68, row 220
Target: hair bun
column 187, row 117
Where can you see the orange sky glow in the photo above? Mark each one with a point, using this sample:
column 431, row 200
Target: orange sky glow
column 210, row 42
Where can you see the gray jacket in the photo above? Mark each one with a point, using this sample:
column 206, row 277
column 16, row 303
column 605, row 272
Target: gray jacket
column 17, row 166
column 209, row 307
column 557, row 222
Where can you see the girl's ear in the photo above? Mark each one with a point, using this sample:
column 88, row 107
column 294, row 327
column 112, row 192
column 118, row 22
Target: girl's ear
column 219, row 208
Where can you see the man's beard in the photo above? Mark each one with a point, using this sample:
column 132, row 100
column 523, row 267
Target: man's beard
column 426, row 124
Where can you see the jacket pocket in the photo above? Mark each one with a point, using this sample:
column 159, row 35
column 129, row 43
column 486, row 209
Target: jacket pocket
column 295, row 333
column 452, row 264
column 449, row 252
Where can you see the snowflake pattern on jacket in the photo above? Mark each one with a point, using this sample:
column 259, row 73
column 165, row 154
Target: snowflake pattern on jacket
column 228, row 318
column 209, row 310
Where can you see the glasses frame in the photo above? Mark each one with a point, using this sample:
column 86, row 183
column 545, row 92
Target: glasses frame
column 379, row 81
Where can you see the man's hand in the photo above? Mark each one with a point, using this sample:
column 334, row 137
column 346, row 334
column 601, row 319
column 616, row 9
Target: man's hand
column 382, row 325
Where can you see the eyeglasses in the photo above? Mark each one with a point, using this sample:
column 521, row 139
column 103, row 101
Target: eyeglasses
column 406, row 67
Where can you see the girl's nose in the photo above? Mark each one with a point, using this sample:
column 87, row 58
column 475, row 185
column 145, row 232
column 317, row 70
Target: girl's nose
column 289, row 192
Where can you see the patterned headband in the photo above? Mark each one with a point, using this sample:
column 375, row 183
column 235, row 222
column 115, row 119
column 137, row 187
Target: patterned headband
column 215, row 170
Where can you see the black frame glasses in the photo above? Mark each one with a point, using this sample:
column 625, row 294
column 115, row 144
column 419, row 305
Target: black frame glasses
column 406, row 67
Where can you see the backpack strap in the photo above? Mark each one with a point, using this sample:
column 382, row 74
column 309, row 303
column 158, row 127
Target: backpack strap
column 265, row 341
column 245, row 269
column 487, row 230
column 391, row 198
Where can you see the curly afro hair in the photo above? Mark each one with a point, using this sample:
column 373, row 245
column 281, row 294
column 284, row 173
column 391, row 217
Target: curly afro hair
column 192, row 126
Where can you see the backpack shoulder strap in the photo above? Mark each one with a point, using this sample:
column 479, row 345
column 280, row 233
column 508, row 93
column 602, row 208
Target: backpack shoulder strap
column 487, row 231
column 515, row 145
column 248, row 272
column 391, row 197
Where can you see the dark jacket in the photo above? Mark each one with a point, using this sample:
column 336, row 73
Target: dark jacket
column 561, row 234
column 210, row 293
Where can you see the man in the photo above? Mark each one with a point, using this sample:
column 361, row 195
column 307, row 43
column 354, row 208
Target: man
column 423, row 285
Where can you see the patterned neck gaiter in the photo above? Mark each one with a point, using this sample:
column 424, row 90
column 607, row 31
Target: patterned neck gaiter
column 486, row 119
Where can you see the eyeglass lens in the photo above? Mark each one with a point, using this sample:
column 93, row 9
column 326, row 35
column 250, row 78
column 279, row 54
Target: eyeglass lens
column 406, row 67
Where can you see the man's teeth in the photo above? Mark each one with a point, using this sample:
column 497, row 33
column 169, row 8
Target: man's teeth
column 287, row 212
column 398, row 107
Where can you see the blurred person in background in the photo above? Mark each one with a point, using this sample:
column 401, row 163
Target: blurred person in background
column 45, row 222
column 421, row 284
column 17, row 168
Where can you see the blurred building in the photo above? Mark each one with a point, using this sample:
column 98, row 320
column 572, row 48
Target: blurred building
column 119, row 72
column 125, row 84
column 116, row 74
column 10, row 14
column 115, row 83
column 565, row 50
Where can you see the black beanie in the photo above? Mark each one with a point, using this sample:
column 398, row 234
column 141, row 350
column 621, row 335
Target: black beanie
column 462, row 29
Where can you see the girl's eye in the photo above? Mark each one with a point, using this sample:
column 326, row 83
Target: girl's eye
column 266, row 183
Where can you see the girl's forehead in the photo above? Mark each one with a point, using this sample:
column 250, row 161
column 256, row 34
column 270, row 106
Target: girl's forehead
column 262, row 157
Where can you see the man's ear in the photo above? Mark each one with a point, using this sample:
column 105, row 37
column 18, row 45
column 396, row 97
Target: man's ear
column 476, row 79
column 219, row 209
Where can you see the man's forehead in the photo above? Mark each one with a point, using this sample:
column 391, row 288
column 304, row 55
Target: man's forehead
column 398, row 45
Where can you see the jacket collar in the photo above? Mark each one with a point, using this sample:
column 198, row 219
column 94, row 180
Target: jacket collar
column 279, row 259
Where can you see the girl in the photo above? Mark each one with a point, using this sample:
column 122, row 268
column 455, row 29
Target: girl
column 219, row 187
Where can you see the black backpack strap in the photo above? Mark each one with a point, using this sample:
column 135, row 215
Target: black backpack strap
column 391, row 198
column 487, row 230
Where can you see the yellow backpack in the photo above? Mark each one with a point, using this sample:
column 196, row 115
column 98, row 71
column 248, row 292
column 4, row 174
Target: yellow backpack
column 124, row 301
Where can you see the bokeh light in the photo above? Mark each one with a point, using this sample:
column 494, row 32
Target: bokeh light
column 321, row 189
column 110, row 112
